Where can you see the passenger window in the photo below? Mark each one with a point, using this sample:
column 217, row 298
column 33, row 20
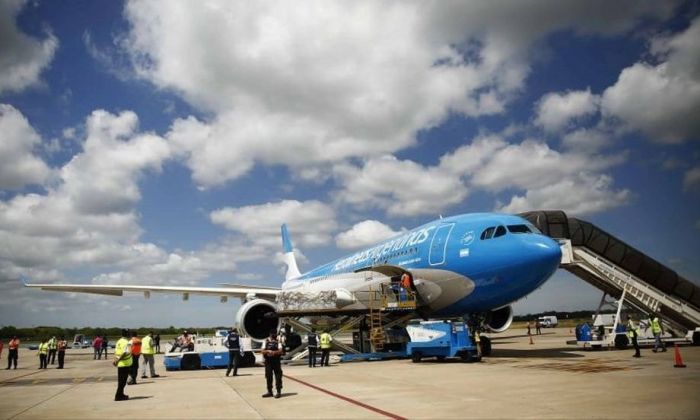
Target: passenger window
column 518, row 229
column 500, row 231
column 488, row 233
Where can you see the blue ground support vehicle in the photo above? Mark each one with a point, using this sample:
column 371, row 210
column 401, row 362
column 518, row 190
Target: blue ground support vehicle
column 441, row 339
column 209, row 353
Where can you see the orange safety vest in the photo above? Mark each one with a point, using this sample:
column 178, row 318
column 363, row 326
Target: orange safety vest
column 135, row 346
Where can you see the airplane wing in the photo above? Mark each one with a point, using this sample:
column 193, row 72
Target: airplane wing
column 118, row 290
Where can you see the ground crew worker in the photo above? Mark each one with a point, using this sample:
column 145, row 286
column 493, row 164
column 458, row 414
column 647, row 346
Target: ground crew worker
column 43, row 354
column 477, row 341
column 235, row 351
column 658, row 331
column 312, row 345
column 105, row 346
column 135, row 344
column 148, row 350
column 156, row 340
column 122, row 361
column 633, row 333
column 97, row 348
column 2, row 346
column 61, row 346
column 325, row 347
column 13, row 351
column 52, row 350
column 272, row 353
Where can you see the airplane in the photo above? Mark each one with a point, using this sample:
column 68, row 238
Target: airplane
column 472, row 265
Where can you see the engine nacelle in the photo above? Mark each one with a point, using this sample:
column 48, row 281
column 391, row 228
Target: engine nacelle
column 256, row 318
column 499, row 319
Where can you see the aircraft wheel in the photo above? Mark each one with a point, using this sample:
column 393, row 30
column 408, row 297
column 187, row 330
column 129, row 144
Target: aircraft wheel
column 248, row 359
column 190, row 362
column 416, row 357
column 485, row 346
column 621, row 342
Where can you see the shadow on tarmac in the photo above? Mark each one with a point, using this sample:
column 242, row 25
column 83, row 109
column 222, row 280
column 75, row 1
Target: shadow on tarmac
column 563, row 352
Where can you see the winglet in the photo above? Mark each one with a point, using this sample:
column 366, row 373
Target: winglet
column 286, row 242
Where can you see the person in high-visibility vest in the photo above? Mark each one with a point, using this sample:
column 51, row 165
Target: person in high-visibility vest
column 135, row 345
column 148, row 349
column 13, row 352
column 61, row 345
column 325, row 340
column 43, row 354
column 633, row 333
column 658, row 331
column 53, row 346
column 122, row 361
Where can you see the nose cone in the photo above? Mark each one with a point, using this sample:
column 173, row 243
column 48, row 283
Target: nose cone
column 546, row 252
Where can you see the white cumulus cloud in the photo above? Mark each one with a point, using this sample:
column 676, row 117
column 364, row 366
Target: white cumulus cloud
column 555, row 110
column 365, row 233
column 317, row 82
column 310, row 223
column 662, row 100
column 18, row 164
column 22, row 57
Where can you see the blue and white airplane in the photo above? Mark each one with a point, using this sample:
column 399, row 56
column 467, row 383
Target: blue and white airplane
column 466, row 265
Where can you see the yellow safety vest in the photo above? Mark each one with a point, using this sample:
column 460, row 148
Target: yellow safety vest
column 44, row 348
column 52, row 344
column 147, row 345
column 121, row 352
column 325, row 341
column 655, row 325
column 632, row 329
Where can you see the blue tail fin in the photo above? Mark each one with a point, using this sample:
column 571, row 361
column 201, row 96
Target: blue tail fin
column 289, row 259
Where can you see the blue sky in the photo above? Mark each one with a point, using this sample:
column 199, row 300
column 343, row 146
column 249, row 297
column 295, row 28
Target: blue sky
column 165, row 142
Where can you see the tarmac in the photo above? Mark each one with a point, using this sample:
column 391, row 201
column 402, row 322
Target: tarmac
column 547, row 379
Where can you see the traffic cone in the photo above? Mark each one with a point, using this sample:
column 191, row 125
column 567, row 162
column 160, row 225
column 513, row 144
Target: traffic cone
column 531, row 342
column 679, row 359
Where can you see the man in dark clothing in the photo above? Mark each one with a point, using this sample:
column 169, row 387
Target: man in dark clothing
column 156, row 340
column 312, row 342
column 235, row 350
column 62, row 344
column 272, row 353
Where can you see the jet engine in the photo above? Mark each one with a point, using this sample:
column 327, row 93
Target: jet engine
column 499, row 319
column 256, row 318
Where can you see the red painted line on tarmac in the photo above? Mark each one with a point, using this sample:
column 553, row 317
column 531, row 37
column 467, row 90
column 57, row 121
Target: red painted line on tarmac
column 350, row 400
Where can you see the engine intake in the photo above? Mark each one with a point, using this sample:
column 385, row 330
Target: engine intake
column 499, row 319
column 256, row 318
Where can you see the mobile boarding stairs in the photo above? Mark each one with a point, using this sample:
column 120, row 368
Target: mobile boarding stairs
column 624, row 273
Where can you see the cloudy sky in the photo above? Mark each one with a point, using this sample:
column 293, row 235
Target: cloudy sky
column 164, row 142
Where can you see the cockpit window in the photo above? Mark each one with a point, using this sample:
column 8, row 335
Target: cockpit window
column 488, row 233
column 500, row 231
column 518, row 229
column 534, row 229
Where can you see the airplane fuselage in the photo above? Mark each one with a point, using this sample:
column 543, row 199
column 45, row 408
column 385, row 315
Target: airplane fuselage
column 467, row 263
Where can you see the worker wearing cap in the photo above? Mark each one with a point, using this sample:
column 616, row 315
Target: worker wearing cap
column 122, row 361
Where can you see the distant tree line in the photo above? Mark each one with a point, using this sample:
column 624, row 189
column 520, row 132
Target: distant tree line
column 37, row 333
